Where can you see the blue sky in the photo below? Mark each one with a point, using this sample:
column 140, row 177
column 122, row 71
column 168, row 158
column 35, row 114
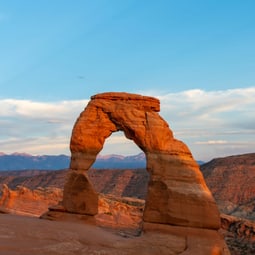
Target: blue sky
column 196, row 56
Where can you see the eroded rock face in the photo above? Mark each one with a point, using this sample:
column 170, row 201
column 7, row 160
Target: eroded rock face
column 177, row 193
column 23, row 201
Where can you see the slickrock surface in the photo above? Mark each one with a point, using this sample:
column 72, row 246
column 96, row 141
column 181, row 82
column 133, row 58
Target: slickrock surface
column 177, row 193
column 231, row 180
column 21, row 235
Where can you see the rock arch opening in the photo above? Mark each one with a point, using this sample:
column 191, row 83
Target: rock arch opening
column 118, row 144
column 177, row 193
column 119, row 176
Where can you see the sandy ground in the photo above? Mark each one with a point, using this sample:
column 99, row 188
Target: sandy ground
column 20, row 235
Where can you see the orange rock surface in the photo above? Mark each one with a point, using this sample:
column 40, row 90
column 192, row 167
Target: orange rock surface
column 24, row 201
column 177, row 193
column 178, row 202
column 120, row 212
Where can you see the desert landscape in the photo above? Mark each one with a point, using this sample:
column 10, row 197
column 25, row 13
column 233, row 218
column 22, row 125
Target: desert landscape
column 127, row 127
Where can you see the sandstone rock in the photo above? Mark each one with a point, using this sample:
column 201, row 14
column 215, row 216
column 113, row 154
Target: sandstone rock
column 81, row 198
column 120, row 213
column 198, row 241
column 24, row 201
column 123, row 216
column 26, row 235
column 177, row 193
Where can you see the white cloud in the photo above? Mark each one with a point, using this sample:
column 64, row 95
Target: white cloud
column 37, row 127
column 212, row 142
column 207, row 120
column 117, row 143
column 40, row 110
column 36, row 145
column 211, row 123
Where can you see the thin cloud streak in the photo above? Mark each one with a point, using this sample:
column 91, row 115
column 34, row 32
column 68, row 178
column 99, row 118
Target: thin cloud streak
column 211, row 123
column 212, row 142
column 37, row 127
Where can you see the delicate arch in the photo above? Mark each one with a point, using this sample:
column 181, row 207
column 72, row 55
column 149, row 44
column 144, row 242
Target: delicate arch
column 177, row 193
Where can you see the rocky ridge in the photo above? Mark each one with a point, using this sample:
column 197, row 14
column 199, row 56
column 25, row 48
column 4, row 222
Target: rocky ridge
column 23, row 201
column 231, row 181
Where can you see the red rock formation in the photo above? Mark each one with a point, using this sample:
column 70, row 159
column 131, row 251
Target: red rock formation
column 178, row 200
column 177, row 193
column 120, row 212
column 24, row 201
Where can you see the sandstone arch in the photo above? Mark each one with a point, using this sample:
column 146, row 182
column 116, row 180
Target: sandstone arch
column 177, row 193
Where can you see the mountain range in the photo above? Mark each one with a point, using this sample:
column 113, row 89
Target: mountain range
column 22, row 161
